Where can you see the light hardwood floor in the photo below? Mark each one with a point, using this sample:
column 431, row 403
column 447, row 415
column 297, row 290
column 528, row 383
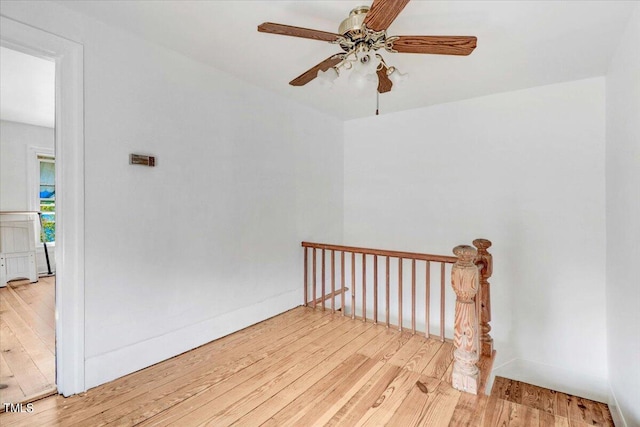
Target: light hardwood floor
column 304, row 367
column 509, row 396
column 27, row 340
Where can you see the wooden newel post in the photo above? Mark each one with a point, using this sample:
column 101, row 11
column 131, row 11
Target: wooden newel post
column 486, row 260
column 465, row 282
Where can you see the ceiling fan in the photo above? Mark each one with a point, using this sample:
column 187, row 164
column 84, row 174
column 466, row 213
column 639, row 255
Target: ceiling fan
column 361, row 35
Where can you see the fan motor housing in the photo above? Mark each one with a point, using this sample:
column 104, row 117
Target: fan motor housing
column 356, row 35
column 352, row 27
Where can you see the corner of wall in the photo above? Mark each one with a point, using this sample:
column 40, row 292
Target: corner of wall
column 623, row 227
column 614, row 408
column 554, row 378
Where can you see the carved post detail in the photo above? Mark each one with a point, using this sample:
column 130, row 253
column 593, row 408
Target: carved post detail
column 486, row 259
column 465, row 282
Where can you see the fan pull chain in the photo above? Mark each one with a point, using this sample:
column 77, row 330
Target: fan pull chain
column 377, row 103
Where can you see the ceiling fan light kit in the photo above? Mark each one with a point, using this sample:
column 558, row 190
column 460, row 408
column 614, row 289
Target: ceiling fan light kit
column 360, row 36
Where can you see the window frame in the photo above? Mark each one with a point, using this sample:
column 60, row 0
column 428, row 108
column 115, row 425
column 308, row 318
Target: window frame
column 46, row 159
column 33, row 182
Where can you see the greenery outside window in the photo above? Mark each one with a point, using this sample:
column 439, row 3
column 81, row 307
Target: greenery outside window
column 47, row 197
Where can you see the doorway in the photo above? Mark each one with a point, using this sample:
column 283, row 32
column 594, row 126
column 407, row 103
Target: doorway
column 68, row 249
column 27, row 227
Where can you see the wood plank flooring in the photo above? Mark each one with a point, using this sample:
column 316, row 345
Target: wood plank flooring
column 517, row 399
column 27, row 340
column 304, row 367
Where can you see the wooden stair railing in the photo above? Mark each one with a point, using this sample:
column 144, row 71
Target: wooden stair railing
column 470, row 271
column 472, row 342
column 484, row 260
column 466, row 284
column 348, row 255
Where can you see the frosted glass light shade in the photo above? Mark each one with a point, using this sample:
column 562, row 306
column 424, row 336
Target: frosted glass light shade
column 397, row 77
column 326, row 78
column 369, row 66
column 361, row 81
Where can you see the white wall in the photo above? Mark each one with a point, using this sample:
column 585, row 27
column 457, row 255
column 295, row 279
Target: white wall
column 15, row 138
column 623, row 224
column 524, row 169
column 208, row 241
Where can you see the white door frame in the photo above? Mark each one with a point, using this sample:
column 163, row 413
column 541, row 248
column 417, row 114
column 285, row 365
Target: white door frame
column 69, row 148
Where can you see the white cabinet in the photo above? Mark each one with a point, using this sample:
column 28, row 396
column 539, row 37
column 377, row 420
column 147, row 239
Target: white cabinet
column 17, row 251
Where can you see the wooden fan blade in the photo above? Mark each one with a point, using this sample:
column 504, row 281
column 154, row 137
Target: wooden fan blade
column 383, row 13
column 312, row 72
column 288, row 30
column 440, row 45
column 384, row 82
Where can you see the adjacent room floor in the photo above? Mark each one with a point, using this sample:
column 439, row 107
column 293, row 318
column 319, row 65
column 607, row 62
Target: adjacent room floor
column 27, row 340
column 308, row 367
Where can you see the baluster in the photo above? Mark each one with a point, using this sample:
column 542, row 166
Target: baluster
column 442, row 293
column 427, row 299
column 486, row 259
column 323, row 280
column 387, row 295
column 333, row 281
column 413, row 296
column 353, row 285
column 314, row 278
column 364, row 287
column 465, row 283
column 342, row 283
column 400, row 294
column 375, row 289
column 306, row 274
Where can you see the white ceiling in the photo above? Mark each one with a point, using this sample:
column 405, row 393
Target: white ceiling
column 521, row 44
column 27, row 88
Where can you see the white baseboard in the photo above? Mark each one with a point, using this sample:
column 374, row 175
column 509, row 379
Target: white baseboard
column 614, row 408
column 492, row 375
column 555, row 378
column 115, row 364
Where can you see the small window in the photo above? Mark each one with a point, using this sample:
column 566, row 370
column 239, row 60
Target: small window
column 47, row 197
